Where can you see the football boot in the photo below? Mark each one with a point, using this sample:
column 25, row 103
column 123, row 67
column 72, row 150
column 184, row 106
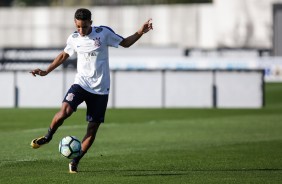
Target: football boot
column 36, row 143
column 73, row 167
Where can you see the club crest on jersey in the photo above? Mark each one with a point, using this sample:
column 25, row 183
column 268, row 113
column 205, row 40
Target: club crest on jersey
column 97, row 42
column 70, row 97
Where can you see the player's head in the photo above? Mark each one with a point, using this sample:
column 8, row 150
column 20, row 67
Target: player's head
column 83, row 22
column 82, row 14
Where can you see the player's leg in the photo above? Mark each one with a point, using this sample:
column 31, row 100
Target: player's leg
column 90, row 135
column 59, row 118
column 87, row 142
column 96, row 109
column 73, row 98
column 57, row 121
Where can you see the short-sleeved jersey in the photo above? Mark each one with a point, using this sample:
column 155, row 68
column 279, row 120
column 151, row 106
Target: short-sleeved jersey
column 93, row 73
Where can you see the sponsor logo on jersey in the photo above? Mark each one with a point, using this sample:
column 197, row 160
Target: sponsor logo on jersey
column 98, row 30
column 93, row 53
column 70, row 97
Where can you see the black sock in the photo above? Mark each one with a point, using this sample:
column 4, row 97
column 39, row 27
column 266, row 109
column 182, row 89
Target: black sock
column 49, row 135
column 77, row 159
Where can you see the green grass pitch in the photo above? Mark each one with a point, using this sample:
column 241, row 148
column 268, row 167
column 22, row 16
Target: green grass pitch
column 151, row 146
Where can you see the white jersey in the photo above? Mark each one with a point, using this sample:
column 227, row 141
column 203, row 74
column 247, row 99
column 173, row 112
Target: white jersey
column 93, row 73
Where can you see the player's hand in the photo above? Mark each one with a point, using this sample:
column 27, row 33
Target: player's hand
column 147, row 26
column 38, row 72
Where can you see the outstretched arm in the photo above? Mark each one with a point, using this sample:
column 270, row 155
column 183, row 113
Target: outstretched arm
column 127, row 42
column 57, row 62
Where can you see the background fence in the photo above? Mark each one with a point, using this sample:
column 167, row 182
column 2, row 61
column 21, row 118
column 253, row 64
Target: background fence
column 143, row 88
column 193, row 57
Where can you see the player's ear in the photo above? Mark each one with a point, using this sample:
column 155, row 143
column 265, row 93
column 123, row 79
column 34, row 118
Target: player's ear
column 91, row 22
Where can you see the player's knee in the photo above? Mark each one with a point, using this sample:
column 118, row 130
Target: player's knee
column 93, row 128
column 65, row 111
column 63, row 114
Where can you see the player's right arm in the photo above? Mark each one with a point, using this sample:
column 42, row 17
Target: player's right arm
column 63, row 56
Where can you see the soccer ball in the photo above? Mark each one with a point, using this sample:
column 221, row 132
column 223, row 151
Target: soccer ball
column 70, row 147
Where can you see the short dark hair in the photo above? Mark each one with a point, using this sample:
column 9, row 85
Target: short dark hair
column 82, row 14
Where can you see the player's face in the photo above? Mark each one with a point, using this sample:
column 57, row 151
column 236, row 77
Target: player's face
column 83, row 26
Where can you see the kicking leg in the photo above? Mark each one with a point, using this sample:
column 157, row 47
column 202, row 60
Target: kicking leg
column 65, row 112
column 57, row 121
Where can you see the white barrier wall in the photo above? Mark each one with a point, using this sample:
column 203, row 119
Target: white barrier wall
column 39, row 91
column 7, row 89
column 188, row 89
column 142, row 89
column 137, row 89
column 239, row 89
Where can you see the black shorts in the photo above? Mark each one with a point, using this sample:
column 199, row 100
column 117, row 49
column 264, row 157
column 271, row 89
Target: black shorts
column 96, row 104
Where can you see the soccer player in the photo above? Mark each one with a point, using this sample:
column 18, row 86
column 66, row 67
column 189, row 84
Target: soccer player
column 92, row 81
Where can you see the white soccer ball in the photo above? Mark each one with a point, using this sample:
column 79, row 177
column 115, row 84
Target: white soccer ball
column 70, row 147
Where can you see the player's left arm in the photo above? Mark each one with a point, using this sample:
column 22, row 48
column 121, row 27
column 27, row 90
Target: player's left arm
column 146, row 27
